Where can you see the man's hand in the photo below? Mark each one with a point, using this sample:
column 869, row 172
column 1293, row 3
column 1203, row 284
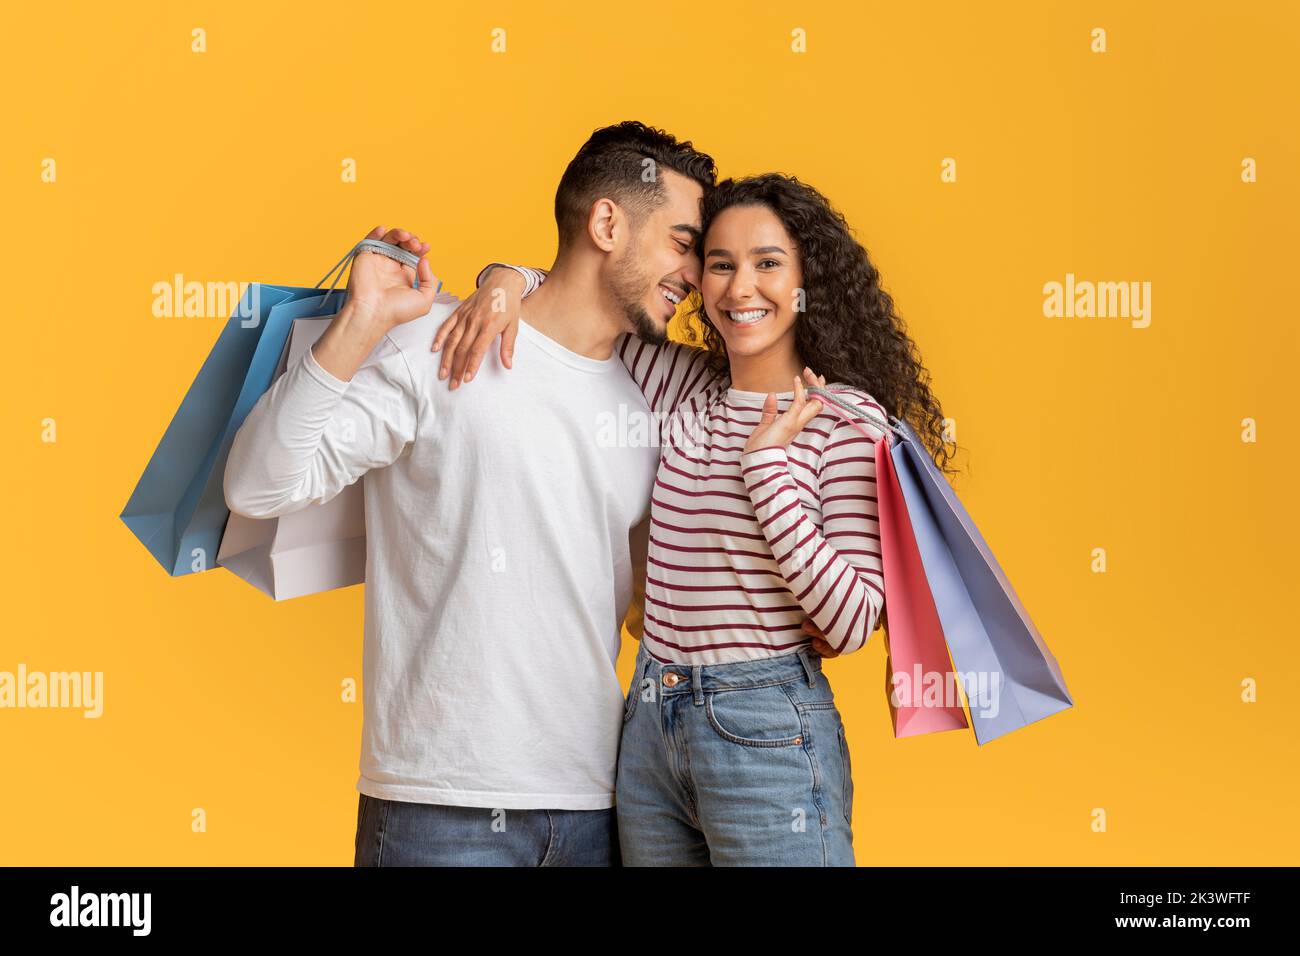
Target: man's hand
column 383, row 288
column 819, row 642
column 468, row 332
column 380, row 297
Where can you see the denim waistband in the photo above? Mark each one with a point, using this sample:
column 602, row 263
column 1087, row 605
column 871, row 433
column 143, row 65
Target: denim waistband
column 699, row 678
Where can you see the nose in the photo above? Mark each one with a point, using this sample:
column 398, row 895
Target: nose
column 690, row 273
column 741, row 284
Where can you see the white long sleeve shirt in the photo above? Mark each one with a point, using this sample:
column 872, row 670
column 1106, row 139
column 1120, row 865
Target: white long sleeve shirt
column 498, row 569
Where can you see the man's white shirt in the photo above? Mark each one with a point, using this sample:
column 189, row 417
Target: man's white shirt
column 498, row 565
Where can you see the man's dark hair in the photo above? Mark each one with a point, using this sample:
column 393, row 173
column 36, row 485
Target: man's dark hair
column 612, row 163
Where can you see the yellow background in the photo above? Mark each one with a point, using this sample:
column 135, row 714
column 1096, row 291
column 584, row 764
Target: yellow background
column 1083, row 433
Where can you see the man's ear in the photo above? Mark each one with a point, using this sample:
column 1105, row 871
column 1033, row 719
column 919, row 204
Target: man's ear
column 604, row 224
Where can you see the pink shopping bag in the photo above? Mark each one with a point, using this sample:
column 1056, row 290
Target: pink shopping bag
column 919, row 676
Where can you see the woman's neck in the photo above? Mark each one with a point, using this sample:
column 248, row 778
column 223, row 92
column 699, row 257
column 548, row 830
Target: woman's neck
column 765, row 373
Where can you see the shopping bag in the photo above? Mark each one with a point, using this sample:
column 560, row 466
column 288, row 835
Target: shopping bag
column 178, row 508
column 922, row 688
column 319, row 548
column 1010, row 676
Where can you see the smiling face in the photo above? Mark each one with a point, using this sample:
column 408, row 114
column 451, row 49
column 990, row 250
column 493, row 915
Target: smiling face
column 660, row 265
column 751, row 281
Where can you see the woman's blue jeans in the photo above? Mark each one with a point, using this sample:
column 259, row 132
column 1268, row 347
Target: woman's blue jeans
column 741, row 764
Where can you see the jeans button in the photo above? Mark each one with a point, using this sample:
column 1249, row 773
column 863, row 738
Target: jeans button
column 671, row 679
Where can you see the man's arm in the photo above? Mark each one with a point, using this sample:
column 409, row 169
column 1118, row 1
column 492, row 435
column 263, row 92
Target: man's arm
column 313, row 434
column 347, row 406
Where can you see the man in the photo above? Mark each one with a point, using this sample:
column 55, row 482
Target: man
column 492, row 622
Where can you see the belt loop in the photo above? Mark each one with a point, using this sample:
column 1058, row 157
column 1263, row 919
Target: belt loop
column 643, row 666
column 697, row 684
column 805, row 657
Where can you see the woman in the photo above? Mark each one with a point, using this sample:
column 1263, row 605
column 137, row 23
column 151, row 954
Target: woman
column 763, row 534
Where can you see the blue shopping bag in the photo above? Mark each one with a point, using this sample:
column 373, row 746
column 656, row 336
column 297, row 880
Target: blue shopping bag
column 1010, row 676
column 178, row 508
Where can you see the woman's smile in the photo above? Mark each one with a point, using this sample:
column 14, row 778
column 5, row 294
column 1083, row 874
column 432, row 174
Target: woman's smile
column 747, row 317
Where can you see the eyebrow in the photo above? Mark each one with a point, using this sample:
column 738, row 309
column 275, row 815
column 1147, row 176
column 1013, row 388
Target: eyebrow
column 686, row 227
column 753, row 252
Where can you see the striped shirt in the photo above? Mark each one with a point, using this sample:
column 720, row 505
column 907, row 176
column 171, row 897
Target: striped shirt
column 745, row 546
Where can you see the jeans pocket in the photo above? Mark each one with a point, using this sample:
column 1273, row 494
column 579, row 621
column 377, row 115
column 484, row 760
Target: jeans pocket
column 848, row 775
column 755, row 716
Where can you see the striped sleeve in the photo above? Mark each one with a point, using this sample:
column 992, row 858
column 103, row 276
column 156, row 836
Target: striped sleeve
column 667, row 374
column 835, row 573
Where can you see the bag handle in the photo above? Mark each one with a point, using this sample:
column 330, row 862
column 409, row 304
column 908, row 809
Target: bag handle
column 843, row 407
column 377, row 246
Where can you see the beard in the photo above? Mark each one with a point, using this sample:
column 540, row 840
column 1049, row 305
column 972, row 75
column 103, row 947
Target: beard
column 629, row 287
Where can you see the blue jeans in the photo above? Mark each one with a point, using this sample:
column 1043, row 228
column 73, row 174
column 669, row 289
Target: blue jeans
column 398, row 833
column 740, row 764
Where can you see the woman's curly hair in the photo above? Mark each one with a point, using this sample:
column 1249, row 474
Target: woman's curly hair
column 849, row 331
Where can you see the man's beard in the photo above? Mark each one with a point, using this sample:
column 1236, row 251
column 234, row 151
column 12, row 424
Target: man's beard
column 630, row 285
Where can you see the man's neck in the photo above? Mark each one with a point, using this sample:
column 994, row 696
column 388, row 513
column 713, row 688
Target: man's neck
column 569, row 309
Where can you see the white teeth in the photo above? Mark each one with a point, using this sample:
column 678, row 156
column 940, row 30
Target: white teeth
column 674, row 299
column 747, row 318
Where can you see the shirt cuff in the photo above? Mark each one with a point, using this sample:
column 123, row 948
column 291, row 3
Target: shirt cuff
column 530, row 281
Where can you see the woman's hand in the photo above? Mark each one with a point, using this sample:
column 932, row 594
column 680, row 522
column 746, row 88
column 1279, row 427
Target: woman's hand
column 773, row 431
column 468, row 332
column 819, row 642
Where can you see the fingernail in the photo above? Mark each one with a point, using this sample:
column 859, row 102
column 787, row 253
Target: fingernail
column 468, row 376
column 442, row 373
column 437, row 346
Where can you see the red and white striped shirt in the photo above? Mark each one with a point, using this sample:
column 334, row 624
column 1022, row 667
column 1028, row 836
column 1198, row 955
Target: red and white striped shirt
column 745, row 547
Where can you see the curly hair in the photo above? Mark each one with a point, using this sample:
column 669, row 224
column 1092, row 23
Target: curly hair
column 849, row 331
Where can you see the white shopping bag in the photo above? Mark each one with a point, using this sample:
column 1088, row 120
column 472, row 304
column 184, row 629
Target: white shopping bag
column 319, row 548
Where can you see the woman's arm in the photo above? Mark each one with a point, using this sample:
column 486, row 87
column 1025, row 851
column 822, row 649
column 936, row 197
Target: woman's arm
column 667, row 374
column 836, row 573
